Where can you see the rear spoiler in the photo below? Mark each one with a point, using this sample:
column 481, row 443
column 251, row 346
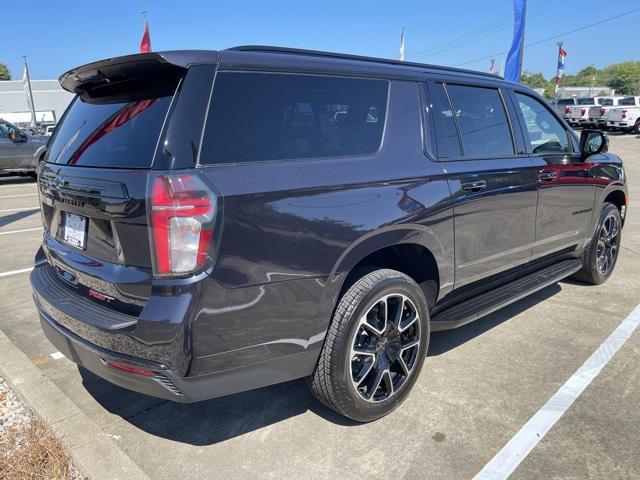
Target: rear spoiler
column 125, row 78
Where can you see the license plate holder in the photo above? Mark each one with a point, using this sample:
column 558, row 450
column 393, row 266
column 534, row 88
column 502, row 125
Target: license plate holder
column 75, row 230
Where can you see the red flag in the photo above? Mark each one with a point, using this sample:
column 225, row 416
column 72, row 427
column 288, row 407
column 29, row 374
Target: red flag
column 145, row 44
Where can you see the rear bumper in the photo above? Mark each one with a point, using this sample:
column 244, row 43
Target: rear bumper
column 164, row 383
column 618, row 124
column 91, row 336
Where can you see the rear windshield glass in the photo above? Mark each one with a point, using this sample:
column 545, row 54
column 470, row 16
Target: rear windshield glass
column 115, row 135
column 566, row 101
column 628, row 101
column 586, row 101
column 262, row 116
column 606, row 101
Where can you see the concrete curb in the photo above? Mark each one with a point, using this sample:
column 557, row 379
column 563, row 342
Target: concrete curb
column 91, row 450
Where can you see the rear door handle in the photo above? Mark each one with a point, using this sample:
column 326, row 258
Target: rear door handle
column 474, row 187
column 547, row 175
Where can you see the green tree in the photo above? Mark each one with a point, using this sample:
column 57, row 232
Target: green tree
column 5, row 74
column 533, row 80
column 550, row 90
column 624, row 77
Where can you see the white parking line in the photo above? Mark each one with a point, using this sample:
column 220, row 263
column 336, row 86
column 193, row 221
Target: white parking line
column 24, row 209
column 14, row 272
column 56, row 355
column 518, row 448
column 18, row 185
column 10, row 232
column 20, row 195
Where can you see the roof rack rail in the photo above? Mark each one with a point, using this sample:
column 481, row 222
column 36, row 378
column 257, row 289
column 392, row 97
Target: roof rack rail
column 346, row 56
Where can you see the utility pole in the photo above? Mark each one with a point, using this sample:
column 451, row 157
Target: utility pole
column 593, row 79
column 402, row 44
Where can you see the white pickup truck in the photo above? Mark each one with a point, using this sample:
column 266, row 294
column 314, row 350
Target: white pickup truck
column 578, row 115
column 626, row 116
column 597, row 115
column 563, row 104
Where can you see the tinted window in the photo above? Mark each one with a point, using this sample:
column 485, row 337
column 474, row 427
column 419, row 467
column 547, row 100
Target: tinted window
column 4, row 130
column 482, row 120
column 628, row 101
column 117, row 135
column 260, row 116
column 543, row 131
column 446, row 133
column 566, row 101
column 606, row 101
column 586, row 101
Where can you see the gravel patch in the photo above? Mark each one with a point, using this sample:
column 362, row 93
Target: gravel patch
column 13, row 412
column 28, row 449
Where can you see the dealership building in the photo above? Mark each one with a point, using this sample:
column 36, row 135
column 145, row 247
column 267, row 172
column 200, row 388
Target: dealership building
column 49, row 101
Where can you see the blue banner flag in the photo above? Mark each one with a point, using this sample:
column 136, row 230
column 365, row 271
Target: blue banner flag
column 514, row 58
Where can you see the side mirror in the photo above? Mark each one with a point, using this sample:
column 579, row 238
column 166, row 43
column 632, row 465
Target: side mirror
column 593, row 142
column 17, row 136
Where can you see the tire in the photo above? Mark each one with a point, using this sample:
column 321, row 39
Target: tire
column 596, row 269
column 345, row 380
column 636, row 127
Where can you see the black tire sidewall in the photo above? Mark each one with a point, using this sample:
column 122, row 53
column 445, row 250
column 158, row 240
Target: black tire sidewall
column 591, row 262
column 357, row 407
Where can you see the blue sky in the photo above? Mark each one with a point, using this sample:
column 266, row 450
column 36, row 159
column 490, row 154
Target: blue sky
column 58, row 35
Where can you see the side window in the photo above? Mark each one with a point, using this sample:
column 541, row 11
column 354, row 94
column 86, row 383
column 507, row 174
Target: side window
column 544, row 132
column 482, row 121
column 4, row 130
column 264, row 116
column 445, row 133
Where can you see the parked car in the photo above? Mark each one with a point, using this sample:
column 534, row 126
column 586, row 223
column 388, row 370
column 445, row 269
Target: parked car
column 18, row 150
column 626, row 116
column 563, row 104
column 597, row 115
column 48, row 130
column 211, row 225
column 578, row 115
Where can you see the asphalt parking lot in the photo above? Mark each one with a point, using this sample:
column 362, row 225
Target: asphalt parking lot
column 479, row 386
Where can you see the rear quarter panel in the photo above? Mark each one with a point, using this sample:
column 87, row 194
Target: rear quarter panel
column 292, row 231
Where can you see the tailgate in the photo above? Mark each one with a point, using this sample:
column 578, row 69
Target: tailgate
column 96, row 233
column 93, row 181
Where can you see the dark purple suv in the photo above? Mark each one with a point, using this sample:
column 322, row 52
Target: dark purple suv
column 221, row 221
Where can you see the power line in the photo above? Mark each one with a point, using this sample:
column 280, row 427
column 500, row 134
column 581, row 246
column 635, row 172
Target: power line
column 489, row 26
column 486, row 31
column 553, row 37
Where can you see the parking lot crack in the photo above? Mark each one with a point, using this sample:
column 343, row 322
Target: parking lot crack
column 148, row 409
column 630, row 250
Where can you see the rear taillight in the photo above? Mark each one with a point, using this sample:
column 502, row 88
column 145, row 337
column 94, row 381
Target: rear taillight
column 602, row 110
column 182, row 218
column 567, row 110
column 583, row 111
column 624, row 114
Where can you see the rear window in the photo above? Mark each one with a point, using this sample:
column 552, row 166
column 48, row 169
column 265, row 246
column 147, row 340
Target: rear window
column 482, row 121
column 606, row 101
column 628, row 101
column 260, row 116
column 586, row 101
column 115, row 135
column 566, row 101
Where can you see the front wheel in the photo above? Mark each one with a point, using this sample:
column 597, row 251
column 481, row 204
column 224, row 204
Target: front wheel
column 636, row 128
column 374, row 348
column 602, row 253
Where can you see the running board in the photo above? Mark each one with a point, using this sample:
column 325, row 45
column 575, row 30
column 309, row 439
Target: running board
column 488, row 302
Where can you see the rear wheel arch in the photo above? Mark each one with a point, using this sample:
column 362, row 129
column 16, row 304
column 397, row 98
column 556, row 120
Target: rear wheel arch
column 414, row 260
column 368, row 251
